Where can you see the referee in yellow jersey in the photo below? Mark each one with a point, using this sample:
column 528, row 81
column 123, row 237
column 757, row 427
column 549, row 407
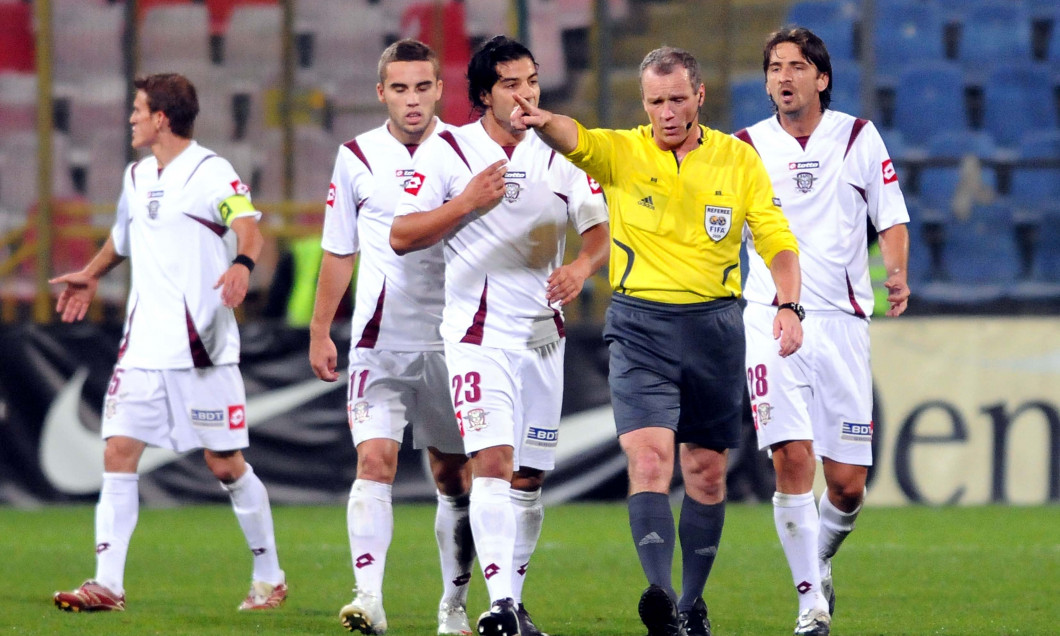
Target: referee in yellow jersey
column 680, row 195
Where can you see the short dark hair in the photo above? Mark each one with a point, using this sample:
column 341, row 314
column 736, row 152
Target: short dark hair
column 811, row 47
column 482, row 69
column 175, row 97
column 408, row 50
column 664, row 60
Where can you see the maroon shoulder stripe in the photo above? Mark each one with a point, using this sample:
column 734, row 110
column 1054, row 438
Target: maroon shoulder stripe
column 196, row 168
column 200, row 357
column 217, row 228
column 128, row 329
column 355, row 148
column 451, row 140
column 550, row 158
column 745, row 137
column 473, row 335
column 132, row 172
column 370, row 334
column 854, row 132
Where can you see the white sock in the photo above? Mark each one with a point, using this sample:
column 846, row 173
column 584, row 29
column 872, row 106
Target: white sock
column 493, row 525
column 116, row 515
column 456, row 546
column 370, row 523
column 529, row 516
column 795, row 517
column 250, row 502
column 835, row 526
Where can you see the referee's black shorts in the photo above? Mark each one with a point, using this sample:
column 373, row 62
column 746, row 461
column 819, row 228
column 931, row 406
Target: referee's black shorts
column 677, row 366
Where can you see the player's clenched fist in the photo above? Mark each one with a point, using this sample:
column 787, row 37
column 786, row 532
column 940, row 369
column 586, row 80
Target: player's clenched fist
column 486, row 188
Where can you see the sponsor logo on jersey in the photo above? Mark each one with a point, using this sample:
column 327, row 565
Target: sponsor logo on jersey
column 594, row 186
column 331, row 195
column 803, row 165
column 804, row 182
column 237, row 417
column 152, row 209
column 358, row 413
column 208, row 418
column 156, row 194
column 856, row 431
column 647, row 202
column 542, row 437
column 889, row 175
column 511, row 191
column 476, row 420
column 414, row 183
column 717, row 220
column 240, row 188
column 514, row 174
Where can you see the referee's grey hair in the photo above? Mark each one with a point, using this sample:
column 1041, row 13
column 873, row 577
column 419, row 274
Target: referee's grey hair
column 665, row 59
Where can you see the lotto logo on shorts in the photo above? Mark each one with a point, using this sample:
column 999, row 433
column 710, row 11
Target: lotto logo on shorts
column 237, row 417
column 204, row 418
column 543, row 437
column 856, row 432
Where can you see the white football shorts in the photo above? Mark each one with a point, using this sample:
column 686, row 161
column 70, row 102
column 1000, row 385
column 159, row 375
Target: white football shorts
column 509, row 397
column 178, row 409
column 389, row 389
column 821, row 393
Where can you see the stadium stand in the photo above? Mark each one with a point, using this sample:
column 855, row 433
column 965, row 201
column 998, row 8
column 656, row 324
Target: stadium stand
column 993, row 32
column 174, row 37
column 17, row 45
column 1018, row 97
column 929, row 98
column 906, row 31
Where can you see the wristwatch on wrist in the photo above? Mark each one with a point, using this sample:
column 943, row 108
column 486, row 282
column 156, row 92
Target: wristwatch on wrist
column 796, row 307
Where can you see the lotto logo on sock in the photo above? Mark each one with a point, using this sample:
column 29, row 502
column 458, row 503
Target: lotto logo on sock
column 522, row 568
column 237, row 417
column 364, row 560
column 804, row 587
column 490, row 570
column 103, row 547
column 462, row 580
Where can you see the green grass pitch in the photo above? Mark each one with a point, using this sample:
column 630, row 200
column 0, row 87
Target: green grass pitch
column 916, row 570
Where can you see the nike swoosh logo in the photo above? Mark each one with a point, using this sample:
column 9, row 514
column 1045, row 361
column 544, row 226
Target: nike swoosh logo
column 71, row 455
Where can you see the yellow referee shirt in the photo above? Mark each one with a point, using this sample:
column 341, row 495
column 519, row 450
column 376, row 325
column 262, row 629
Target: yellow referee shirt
column 676, row 230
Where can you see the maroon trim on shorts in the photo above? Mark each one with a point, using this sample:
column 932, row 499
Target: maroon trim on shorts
column 558, row 319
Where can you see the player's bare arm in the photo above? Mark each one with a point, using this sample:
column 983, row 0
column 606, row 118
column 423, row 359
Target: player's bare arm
column 558, row 131
column 421, row 230
column 566, row 282
column 81, row 286
column 788, row 278
column 894, row 246
column 335, row 273
column 235, row 281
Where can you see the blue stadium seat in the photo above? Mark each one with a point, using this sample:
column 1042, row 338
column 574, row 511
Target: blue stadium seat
column 928, row 99
column 1018, row 98
column 846, row 87
column 838, row 37
column 906, row 31
column 813, row 13
column 938, row 183
column 979, row 257
column 995, row 32
column 1042, row 280
column 748, row 101
column 1037, row 188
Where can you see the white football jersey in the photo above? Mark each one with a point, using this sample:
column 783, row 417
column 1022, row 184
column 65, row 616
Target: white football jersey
column 497, row 263
column 398, row 300
column 826, row 191
column 170, row 226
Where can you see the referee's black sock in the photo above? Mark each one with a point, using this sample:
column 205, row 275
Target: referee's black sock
column 700, row 530
column 652, row 522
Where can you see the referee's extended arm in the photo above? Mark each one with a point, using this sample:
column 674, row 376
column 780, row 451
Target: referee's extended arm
column 558, row 131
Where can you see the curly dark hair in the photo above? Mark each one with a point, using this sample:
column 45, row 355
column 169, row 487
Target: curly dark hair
column 482, row 69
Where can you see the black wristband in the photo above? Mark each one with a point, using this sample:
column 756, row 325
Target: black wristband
column 795, row 307
column 245, row 261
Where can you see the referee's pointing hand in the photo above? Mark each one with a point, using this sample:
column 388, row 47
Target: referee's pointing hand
column 526, row 115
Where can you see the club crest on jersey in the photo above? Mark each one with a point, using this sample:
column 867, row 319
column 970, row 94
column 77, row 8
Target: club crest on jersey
column 476, row 419
column 804, row 182
column 152, row 209
column 511, row 191
column 403, row 175
column 240, row 188
column 331, row 195
column 414, row 183
column 717, row 221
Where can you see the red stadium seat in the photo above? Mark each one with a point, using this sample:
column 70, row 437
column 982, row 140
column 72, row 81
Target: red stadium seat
column 221, row 12
column 17, row 47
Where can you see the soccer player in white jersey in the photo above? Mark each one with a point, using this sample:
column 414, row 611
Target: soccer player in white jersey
column 831, row 171
column 397, row 370
column 176, row 384
column 499, row 201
